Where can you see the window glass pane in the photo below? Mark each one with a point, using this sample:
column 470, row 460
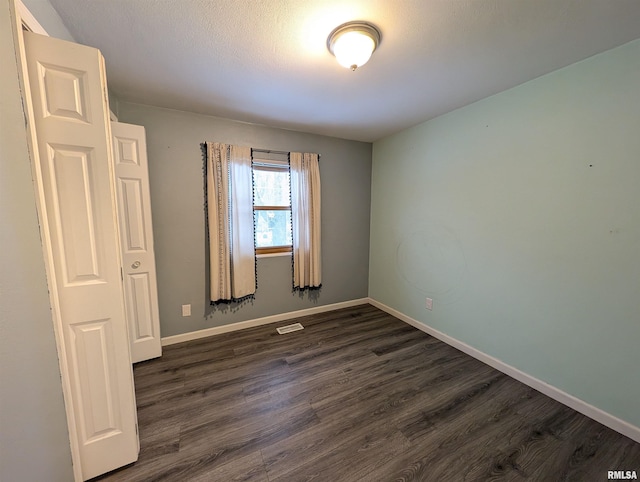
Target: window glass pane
column 271, row 187
column 273, row 228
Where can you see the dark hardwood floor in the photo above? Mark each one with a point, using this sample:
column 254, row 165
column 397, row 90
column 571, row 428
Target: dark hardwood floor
column 356, row 395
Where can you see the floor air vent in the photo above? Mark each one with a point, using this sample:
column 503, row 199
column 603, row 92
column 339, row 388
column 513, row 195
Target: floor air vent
column 289, row 328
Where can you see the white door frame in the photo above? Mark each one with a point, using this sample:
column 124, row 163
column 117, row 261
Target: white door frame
column 26, row 18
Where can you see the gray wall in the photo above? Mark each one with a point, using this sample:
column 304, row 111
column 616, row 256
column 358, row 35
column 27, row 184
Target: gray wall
column 34, row 442
column 47, row 16
column 520, row 216
column 176, row 175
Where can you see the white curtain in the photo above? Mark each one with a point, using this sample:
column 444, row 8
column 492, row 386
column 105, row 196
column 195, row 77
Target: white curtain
column 305, row 212
column 230, row 216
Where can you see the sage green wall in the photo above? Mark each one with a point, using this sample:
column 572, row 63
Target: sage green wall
column 177, row 203
column 34, row 441
column 520, row 216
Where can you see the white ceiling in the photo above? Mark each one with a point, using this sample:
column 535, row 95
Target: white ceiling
column 266, row 61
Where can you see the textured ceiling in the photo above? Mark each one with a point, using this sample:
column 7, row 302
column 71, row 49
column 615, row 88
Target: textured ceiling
column 266, row 61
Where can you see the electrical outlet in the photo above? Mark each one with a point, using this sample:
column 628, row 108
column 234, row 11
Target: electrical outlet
column 186, row 310
column 429, row 304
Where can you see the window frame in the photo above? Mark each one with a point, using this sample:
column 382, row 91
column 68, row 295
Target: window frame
column 274, row 166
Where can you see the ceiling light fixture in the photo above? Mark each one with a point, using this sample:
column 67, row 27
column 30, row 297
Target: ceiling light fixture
column 352, row 43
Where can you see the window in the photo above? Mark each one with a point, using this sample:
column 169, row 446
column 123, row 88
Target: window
column 272, row 207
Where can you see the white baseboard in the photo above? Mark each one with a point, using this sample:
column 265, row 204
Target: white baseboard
column 570, row 401
column 218, row 330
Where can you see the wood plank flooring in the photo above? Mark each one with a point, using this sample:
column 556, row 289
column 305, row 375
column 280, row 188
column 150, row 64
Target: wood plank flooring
column 356, row 396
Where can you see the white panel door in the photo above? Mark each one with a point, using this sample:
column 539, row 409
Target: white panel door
column 136, row 240
column 74, row 175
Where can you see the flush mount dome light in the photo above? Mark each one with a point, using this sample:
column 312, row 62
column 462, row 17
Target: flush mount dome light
column 352, row 43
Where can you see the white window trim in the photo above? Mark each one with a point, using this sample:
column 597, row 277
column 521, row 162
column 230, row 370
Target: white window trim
column 258, row 163
column 273, row 255
column 269, row 163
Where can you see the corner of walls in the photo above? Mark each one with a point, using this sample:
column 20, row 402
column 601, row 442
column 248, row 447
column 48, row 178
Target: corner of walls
column 517, row 216
column 114, row 103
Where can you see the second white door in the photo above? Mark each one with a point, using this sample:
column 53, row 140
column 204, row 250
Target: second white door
column 136, row 239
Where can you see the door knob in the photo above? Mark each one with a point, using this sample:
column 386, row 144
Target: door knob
column 136, row 265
